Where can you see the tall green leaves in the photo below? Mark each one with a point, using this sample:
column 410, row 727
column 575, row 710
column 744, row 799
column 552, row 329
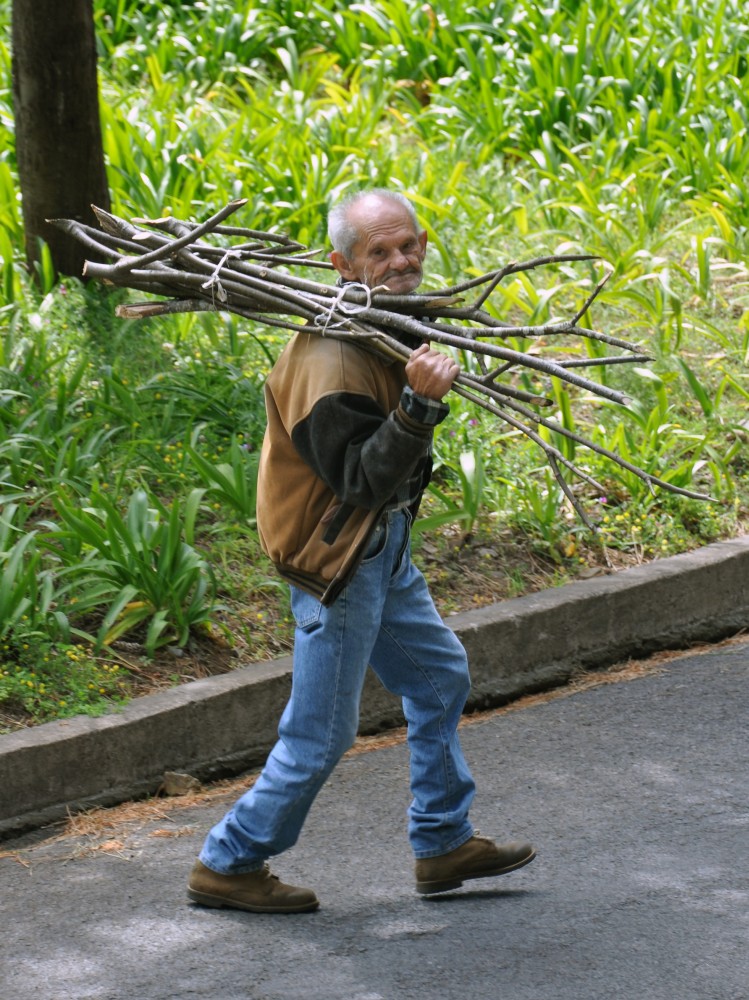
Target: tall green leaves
column 313, row 86
column 140, row 564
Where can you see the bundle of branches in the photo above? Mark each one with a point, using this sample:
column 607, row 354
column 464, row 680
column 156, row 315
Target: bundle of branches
column 250, row 273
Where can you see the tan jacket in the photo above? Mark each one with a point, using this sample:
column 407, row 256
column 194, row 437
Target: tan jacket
column 339, row 442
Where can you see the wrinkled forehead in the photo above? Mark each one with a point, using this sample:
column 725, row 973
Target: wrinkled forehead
column 376, row 219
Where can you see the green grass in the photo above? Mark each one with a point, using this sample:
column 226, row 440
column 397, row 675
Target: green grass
column 127, row 449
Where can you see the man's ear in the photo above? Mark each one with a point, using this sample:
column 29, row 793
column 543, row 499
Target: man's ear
column 341, row 264
column 422, row 237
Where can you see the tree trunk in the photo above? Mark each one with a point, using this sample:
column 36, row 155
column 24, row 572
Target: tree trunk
column 58, row 131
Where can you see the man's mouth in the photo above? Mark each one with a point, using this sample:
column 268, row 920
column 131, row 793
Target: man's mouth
column 400, row 276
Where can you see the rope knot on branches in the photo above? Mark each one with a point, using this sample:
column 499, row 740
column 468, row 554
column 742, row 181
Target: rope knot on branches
column 326, row 318
column 214, row 282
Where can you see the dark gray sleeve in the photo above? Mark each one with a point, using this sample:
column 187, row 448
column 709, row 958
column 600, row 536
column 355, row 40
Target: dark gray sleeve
column 361, row 453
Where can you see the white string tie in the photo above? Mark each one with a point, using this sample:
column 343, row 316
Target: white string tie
column 347, row 309
column 214, row 281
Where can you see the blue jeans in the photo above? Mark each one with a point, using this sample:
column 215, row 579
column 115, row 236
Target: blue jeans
column 385, row 617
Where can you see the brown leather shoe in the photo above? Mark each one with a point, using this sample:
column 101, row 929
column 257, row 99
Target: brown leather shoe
column 259, row 892
column 479, row 857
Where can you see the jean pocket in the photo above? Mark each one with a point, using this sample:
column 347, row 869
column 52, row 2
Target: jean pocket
column 306, row 610
column 377, row 541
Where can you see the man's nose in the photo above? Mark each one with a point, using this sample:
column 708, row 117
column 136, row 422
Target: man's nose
column 399, row 260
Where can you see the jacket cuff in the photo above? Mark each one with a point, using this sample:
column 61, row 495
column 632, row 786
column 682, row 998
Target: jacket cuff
column 421, row 409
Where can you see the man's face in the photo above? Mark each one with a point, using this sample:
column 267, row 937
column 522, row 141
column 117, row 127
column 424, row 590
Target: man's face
column 388, row 251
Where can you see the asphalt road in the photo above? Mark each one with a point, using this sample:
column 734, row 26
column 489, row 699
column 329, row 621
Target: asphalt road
column 635, row 793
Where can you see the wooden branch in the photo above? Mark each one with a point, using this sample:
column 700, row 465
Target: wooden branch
column 199, row 268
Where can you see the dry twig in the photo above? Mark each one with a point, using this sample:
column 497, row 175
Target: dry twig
column 171, row 259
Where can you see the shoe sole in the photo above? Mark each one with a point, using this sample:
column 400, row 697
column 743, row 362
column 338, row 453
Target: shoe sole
column 444, row 885
column 219, row 902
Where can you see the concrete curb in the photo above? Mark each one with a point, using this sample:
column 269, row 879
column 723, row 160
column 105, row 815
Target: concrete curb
column 224, row 725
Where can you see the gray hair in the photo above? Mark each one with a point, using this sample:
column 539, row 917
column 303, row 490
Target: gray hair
column 343, row 234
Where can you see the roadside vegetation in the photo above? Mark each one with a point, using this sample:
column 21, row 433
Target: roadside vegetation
column 128, row 555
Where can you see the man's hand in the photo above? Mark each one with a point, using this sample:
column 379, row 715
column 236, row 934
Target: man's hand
column 430, row 373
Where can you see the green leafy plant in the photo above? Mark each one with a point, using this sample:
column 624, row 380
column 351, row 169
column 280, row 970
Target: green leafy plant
column 47, row 679
column 469, row 471
column 29, row 595
column 231, row 483
column 538, row 508
column 143, row 567
column 19, row 568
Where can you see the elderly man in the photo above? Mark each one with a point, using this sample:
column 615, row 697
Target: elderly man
column 345, row 460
